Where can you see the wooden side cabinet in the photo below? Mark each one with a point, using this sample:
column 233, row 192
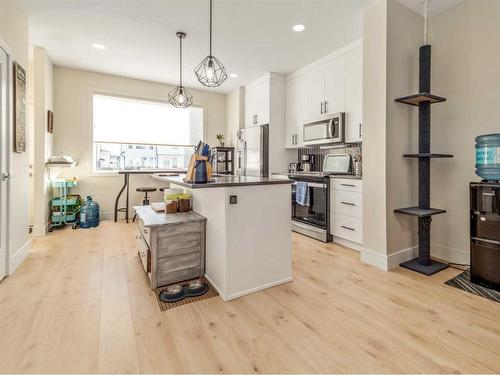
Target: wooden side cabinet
column 171, row 247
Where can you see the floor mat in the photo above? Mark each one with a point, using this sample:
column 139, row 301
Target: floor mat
column 463, row 282
column 170, row 305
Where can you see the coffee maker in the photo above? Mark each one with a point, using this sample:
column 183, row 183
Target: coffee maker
column 307, row 162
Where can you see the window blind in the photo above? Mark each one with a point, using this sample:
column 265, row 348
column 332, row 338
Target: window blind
column 135, row 121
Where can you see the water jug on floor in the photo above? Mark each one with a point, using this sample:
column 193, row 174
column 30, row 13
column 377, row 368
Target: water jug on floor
column 89, row 213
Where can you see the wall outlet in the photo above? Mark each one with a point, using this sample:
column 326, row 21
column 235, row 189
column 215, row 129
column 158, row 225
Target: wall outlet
column 233, row 199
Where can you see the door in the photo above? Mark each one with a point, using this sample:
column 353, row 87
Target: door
column 290, row 113
column 3, row 161
column 300, row 104
column 354, row 95
column 253, row 151
column 335, row 85
column 315, row 92
column 316, row 212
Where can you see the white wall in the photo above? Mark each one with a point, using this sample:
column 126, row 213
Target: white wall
column 235, row 107
column 465, row 70
column 391, row 37
column 44, row 141
column 73, row 127
column 14, row 38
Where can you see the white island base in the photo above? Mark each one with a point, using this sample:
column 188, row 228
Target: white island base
column 248, row 244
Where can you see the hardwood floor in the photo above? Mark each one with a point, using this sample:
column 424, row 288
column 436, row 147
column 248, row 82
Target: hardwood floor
column 80, row 303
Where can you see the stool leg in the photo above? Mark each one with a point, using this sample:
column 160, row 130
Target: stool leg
column 135, row 215
column 145, row 202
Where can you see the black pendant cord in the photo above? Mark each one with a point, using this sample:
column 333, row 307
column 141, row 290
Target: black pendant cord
column 210, row 54
column 180, row 61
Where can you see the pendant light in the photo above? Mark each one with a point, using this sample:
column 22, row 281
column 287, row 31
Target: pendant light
column 210, row 71
column 180, row 97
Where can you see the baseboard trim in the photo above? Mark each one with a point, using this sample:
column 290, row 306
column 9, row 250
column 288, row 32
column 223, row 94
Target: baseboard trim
column 253, row 290
column 346, row 243
column 17, row 258
column 388, row 262
column 450, row 254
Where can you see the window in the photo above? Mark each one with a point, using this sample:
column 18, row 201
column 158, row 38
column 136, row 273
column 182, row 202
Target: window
column 140, row 134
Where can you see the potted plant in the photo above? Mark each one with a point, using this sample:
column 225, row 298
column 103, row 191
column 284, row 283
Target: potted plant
column 220, row 138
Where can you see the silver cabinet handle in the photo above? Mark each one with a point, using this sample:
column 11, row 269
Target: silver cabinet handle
column 348, row 203
column 489, row 194
column 348, row 228
column 360, row 130
column 326, row 106
column 6, row 176
column 322, row 107
column 350, row 185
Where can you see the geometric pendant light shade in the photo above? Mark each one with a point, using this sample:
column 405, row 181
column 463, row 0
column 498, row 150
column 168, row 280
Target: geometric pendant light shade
column 211, row 72
column 180, row 97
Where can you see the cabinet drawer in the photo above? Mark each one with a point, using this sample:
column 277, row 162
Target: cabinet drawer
column 347, row 203
column 348, row 184
column 347, row 227
column 178, row 245
column 144, row 253
column 179, row 268
column 145, row 232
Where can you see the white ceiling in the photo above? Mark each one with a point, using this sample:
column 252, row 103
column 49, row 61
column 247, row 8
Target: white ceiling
column 434, row 7
column 251, row 37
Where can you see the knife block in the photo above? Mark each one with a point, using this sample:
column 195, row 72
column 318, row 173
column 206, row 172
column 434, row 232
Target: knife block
column 192, row 164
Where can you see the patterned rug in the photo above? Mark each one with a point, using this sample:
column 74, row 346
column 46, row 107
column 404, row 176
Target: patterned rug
column 170, row 305
column 463, row 282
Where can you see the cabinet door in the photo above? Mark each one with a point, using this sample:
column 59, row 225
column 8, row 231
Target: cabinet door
column 315, row 92
column 300, row 105
column 262, row 100
column 354, row 95
column 335, row 85
column 290, row 114
column 250, row 105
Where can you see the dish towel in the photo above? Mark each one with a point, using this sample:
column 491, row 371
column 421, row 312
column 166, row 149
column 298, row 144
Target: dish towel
column 302, row 194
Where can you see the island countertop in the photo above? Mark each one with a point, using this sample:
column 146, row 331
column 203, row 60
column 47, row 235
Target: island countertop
column 223, row 181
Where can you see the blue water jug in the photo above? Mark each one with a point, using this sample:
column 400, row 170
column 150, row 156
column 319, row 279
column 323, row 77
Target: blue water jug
column 89, row 213
column 488, row 156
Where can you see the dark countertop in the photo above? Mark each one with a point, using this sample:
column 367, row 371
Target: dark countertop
column 223, row 181
column 331, row 176
column 148, row 171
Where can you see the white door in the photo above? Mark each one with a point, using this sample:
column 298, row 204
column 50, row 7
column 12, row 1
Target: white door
column 290, row 114
column 300, row 102
column 334, row 85
column 3, row 161
column 354, row 95
column 315, row 92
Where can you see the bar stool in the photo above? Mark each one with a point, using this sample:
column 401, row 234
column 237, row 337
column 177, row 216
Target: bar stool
column 145, row 201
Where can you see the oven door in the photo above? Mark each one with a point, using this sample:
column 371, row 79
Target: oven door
column 316, row 214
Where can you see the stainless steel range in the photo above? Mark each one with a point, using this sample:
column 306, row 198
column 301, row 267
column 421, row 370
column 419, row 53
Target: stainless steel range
column 311, row 213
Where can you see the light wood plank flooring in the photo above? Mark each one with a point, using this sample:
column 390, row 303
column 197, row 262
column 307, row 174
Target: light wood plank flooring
column 80, row 303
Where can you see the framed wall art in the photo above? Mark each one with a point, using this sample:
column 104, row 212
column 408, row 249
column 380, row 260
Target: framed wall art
column 19, row 108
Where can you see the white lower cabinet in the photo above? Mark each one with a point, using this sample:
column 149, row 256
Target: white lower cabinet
column 346, row 209
column 347, row 227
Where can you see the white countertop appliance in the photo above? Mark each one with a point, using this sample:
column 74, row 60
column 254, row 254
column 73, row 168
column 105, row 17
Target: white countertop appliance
column 325, row 130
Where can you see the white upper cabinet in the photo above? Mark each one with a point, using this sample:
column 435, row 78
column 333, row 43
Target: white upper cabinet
column 315, row 92
column 257, row 103
column 296, row 110
column 354, row 95
column 335, row 85
column 330, row 85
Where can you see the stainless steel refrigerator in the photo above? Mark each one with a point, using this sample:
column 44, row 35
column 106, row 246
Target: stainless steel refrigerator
column 253, row 151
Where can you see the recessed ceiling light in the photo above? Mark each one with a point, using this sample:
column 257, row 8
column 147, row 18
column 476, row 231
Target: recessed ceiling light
column 233, row 75
column 299, row 27
column 99, row 46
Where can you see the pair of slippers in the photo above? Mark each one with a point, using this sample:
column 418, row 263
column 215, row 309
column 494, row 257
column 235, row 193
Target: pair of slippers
column 177, row 292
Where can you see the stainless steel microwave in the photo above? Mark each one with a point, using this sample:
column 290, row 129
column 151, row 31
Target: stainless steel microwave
column 326, row 130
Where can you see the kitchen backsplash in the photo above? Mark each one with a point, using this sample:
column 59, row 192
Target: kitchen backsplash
column 353, row 149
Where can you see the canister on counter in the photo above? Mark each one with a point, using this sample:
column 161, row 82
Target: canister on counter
column 171, row 203
column 185, row 202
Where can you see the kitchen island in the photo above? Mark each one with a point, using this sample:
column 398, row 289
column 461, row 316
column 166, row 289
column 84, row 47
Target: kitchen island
column 248, row 231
